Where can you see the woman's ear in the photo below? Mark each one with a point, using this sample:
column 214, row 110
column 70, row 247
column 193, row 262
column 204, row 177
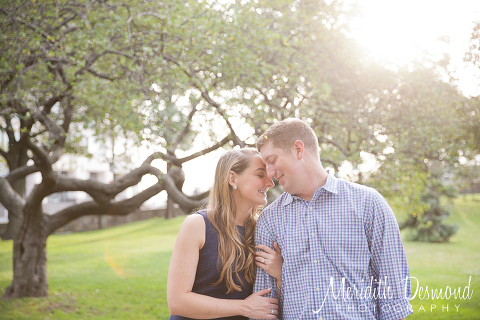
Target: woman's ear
column 232, row 178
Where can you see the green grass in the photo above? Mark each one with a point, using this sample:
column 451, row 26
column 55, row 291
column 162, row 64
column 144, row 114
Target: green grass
column 449, row 264
column 116, row 273
column 121, row 272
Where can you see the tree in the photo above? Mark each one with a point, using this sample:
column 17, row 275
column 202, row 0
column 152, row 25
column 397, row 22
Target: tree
column 142, row 70
column 472, row 114
column 158, row 74
column 407, row 121
column 423, row 115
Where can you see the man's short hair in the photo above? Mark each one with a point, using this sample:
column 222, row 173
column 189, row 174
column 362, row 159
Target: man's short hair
column 283, row 134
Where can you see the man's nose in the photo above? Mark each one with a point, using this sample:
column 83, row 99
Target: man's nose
column 270, row 171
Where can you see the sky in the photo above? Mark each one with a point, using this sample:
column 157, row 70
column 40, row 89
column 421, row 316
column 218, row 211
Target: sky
column 400, row 31
column 395, row 32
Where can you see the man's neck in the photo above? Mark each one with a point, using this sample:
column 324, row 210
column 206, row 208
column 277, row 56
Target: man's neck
column 315, row 179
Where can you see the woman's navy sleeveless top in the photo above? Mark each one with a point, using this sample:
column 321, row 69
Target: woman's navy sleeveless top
column 208, row 273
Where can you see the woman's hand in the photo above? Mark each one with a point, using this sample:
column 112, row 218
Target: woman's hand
column 271, row 260
column 258, row 307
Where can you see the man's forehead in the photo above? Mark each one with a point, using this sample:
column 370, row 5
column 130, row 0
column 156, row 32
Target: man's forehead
column 268, row 150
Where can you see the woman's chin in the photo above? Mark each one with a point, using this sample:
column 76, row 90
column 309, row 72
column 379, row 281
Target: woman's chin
column 263, row 202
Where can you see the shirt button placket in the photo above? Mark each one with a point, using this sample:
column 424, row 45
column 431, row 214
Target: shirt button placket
column 313, row 240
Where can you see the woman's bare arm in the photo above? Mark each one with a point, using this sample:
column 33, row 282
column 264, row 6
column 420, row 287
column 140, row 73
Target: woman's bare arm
column 181, row 276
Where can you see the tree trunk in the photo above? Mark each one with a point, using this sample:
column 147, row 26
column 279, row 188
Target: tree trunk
column 100, row 222
column 30, row 257
column 170, row 213
column 179, row 178
column 15, row 220
column 16, row 157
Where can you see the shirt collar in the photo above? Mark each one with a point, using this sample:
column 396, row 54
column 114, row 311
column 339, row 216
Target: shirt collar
column 330, row 186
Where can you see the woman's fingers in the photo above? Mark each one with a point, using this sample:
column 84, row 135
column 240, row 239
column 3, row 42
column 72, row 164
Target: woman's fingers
column 261, row 255
column 264, row 248
column 260, row 259
column 262, row 264
column 273, row 302
column 264, row 258
column 277, row 248
column 262, row 307
column 263, row 292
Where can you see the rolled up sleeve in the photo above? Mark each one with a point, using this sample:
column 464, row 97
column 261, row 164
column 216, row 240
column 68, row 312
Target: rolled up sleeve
column 389, row 262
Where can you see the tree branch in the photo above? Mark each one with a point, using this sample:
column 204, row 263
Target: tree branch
column 177, row 196
column 101, row 192
column 21, row 172
column 119, row 208
column 193, row 17
column 121, row 54
column 36, row 29
column 3, row 153
column 185, row 130
column 139, row 15
column 124, row 207
column 48, row 105
column 100, row 75
column 10, row 199
column 90, row 61
column 204, row 151
column 49, row 178
column 41, row 155
column 206, row 96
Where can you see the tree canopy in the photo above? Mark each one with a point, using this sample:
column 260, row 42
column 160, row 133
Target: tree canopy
column 159, row 73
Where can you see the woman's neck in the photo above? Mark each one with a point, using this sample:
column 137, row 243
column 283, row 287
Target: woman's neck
column 241, row 215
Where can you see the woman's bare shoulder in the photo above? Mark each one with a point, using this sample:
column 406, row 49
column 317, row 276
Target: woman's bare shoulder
column 193, row 227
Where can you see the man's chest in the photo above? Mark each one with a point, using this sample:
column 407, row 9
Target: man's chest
column 308, row 236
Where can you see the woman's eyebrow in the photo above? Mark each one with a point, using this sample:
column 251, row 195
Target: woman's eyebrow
column 263, row 169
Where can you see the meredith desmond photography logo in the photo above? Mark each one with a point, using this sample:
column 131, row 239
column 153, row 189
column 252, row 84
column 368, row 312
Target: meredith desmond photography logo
column 448, row 293
column 379, row 289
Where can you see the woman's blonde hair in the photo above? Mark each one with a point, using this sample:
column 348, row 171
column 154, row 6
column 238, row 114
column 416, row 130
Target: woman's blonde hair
column 234, row 255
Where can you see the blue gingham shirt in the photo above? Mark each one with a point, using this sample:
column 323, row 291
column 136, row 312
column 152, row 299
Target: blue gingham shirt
column 343, row 255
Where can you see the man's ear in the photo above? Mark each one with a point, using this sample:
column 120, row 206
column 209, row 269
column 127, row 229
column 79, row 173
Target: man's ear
column 299, row 149
column 232, row 178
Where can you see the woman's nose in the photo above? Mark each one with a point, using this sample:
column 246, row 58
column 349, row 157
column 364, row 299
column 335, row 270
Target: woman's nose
column 269, row 182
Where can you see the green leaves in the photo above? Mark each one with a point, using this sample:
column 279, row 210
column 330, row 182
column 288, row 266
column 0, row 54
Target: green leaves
column 182, row 75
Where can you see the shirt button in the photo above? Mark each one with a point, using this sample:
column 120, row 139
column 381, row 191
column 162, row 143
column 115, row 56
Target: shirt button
column 310, row 208
column 318, row 289
column 315, row 261
column 312, row 234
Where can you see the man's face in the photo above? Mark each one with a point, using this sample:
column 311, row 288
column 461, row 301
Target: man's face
column 280, row 165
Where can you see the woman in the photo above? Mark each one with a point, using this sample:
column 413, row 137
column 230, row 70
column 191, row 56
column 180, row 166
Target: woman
column 212, row 272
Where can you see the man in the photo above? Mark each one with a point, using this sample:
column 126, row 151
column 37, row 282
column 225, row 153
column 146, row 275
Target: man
column 343, row 255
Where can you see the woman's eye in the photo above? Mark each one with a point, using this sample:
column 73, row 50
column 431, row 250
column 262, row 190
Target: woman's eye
column 261, row 176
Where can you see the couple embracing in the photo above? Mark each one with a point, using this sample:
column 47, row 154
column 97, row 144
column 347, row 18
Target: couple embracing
column 325, row 249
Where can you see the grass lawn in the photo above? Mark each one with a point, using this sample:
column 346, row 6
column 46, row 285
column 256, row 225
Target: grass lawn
column 121, row 272
column 449, row 264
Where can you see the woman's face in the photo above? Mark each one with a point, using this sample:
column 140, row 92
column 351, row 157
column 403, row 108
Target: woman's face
column 252, row 184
